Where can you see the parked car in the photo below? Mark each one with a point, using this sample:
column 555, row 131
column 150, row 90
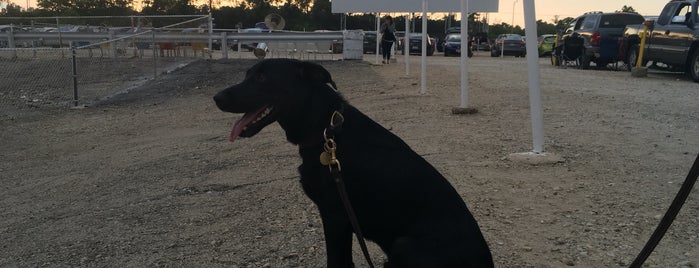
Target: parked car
column 370, row 43
column 415, row 46
column 597, row 28
column 442, row 39
column 480, row 42
column 672, row 40
column 545, row 44
column 452, row 45
column 482, row 45
column 509, row 44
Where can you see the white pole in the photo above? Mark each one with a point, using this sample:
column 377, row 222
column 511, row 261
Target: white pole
column 406, row 44
column 378, row 38
column 533, row 70
column 513, row 15
column 423, row 75
column 211, row 31
column 464, row 54
column 502, row 47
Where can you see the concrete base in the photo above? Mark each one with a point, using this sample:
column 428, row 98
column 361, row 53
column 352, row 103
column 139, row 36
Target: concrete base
column 533, row 158
column 459, row 110
column 639, row 71
column 79, row 107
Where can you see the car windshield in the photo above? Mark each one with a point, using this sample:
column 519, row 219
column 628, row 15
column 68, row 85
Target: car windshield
column 454, row 38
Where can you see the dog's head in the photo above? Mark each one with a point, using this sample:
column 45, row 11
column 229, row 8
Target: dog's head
column 299, row 95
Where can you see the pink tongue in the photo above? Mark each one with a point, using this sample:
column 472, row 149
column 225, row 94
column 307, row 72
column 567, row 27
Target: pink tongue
column 247, row 118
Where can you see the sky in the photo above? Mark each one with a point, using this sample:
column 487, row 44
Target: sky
column 545, row 9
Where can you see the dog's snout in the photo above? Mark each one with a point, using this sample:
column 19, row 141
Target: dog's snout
column 220, row 100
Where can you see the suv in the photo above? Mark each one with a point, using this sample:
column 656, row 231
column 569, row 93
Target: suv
column 595, row 27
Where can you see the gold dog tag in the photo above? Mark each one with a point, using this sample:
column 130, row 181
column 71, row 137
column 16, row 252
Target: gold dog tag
column 325, row 158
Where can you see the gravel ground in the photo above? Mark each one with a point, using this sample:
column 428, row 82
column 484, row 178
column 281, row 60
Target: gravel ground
column 148, row 178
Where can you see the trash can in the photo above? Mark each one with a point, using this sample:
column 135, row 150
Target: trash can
column 353, row 44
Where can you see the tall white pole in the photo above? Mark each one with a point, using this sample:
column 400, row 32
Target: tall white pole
column 378, row 36
column 533, row 70
column 423, row 76
column 513, row 15
column 406, row 45
column 464, row 54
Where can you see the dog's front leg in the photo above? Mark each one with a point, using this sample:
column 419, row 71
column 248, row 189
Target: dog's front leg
column 338, row 240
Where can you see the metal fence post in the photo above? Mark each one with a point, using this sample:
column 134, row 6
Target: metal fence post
column 224, row 45
column 60, row 37
column 75, row 73
column 11, row 42
column 112, row 45
column 155, row 54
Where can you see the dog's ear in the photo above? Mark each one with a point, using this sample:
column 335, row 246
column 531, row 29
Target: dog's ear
column 316, row 73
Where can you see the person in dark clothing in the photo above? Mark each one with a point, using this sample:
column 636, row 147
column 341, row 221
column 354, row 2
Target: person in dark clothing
column 388, row 37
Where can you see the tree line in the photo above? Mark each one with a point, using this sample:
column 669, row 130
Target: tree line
column 300, row 15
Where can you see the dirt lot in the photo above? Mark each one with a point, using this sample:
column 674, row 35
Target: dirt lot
column 149, row 178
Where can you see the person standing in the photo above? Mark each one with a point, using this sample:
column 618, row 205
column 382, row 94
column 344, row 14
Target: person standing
column 388, row 37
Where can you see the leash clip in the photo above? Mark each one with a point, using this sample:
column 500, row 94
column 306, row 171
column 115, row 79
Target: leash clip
column 328, row 156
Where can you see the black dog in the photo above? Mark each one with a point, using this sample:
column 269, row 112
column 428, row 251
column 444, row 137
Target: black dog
column 402, row 203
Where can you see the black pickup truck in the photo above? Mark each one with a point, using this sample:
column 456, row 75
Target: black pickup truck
column 672, row 41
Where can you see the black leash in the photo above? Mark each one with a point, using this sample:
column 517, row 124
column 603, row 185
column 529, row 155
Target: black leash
column 328, row 158
column 669, row 216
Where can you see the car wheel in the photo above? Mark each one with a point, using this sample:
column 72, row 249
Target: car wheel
column 492, row 53
column 694, row 66
column 631, row 57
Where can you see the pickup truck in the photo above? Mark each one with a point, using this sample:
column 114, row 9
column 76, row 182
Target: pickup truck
column 672, row 40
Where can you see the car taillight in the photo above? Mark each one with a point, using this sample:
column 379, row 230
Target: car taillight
column 498, row 43
column 594, row 39
column 522, row 43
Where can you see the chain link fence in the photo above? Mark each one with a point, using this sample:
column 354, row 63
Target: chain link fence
column 64, row 66
column 32, row 78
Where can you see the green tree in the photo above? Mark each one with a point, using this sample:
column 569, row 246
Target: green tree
column 628, row 9
column 561, row 24
column 543, row 27
column 170, row 7
column 87, row 7
column 12, row 10
column 504, row 28
column 322, row 16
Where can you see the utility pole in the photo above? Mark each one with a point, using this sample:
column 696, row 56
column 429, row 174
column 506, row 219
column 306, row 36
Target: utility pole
column 513, row 16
